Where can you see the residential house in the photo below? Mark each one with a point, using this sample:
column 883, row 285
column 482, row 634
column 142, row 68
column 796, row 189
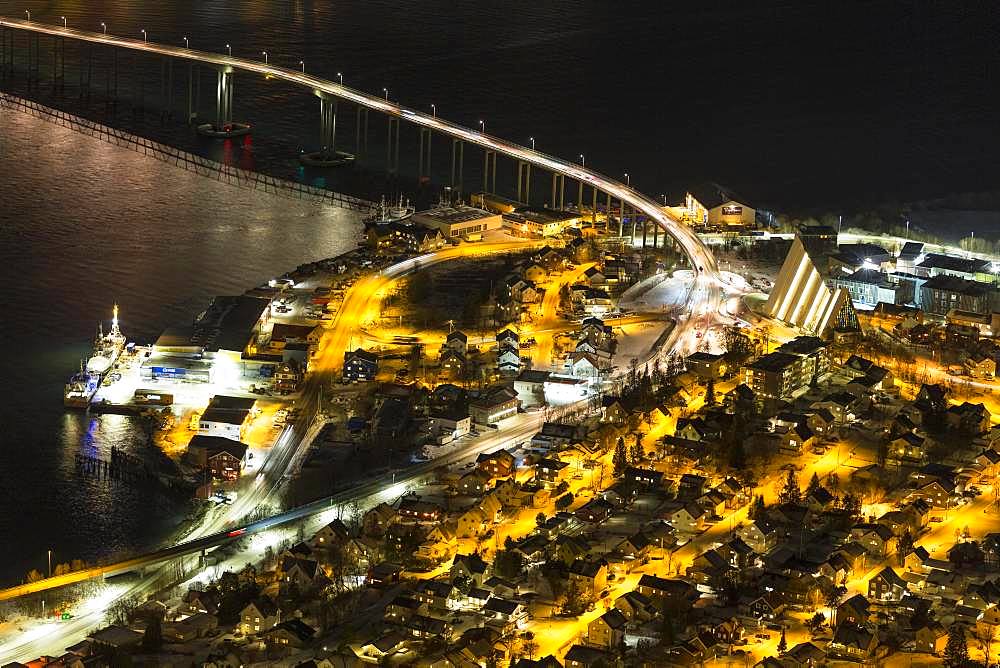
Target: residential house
column 258, row 616
column 505, row 613
column 550, row 472
column 582, row 656
column 494, row 405
column 636, row 606
column 497, row 464
column 707, row 366
column 469, row 566
column 291, row 633
column 608, row 630
column 969, row 418
column 858, row 643
column 886, row 585
column 360, row 365
column 589, row 576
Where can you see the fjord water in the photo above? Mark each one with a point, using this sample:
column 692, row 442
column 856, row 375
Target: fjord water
column 809, row 103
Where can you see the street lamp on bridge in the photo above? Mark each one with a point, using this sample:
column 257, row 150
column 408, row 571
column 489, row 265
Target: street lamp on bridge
column 28, row 12
column 230, row 50
column 627, row 183
column 434, row 110
column 302, row 64
column 583, row 161
column 341, row 77
column 104, row 27
column 187, row 44
column 482, row 126
column 143, row 31
column 532, row 140
column 264, row 53
column 386, row 91
column 64, row 21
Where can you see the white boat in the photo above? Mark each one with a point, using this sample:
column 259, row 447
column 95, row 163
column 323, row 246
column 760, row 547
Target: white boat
column 80, row 390
column 384, row 213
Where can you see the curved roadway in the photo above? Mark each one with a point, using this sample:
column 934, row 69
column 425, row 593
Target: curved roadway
column 692, row 246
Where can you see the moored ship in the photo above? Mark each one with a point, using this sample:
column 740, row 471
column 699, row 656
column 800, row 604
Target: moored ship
column 81, row 387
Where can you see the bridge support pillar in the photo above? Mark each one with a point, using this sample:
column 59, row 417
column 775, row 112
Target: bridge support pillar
column 111, row 80
column 392, row 146
column 58, row 63
column 490, row 172
column 224, row 127
column 223, row 99
column 194, row 92
column 457, row 154
column 327, row 155
column 579, row 196
column 523, row 181
column 562, row 192
column 328, row 126
column 593, row 210
column 359, row 147
column 424, row 169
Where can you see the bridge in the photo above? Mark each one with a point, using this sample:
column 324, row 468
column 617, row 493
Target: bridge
column 705, row 292
column 329, row 93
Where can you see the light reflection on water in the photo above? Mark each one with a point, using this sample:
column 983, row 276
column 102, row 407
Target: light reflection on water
column 83, row 225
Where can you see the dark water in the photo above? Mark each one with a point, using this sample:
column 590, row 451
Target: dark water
column 796, row 104
column 83, row 224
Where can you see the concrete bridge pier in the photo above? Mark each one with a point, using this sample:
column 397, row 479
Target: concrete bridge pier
column 111, row 80
column 457, row 151
column 424, row 167
column 490, row 171
column 593, row 210
column 523, row 181
column 194, row 92
column 224, row 127
column 359, row 148
column 58, row 63
column 392, row 146
column 86, row 73
column 166, row 88
column 224, row 98
column 327, row 155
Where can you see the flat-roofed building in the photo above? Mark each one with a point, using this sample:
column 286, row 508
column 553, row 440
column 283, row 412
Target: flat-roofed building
column 458, row 221
column 788, row 370
column 539, row 222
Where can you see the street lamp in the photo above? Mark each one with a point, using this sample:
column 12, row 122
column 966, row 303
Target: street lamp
column 583, row 161
column 532, row 139
column 143, row 31
column 230, row 50
column 264, row 53
column 482, row 126
column 187, row 44
column 28, row 12
column 434, row 110
column 628, row 184
column 386, row 91
column 104, row 26
column 64, row 21
column 302, row 64
column 341, row 77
